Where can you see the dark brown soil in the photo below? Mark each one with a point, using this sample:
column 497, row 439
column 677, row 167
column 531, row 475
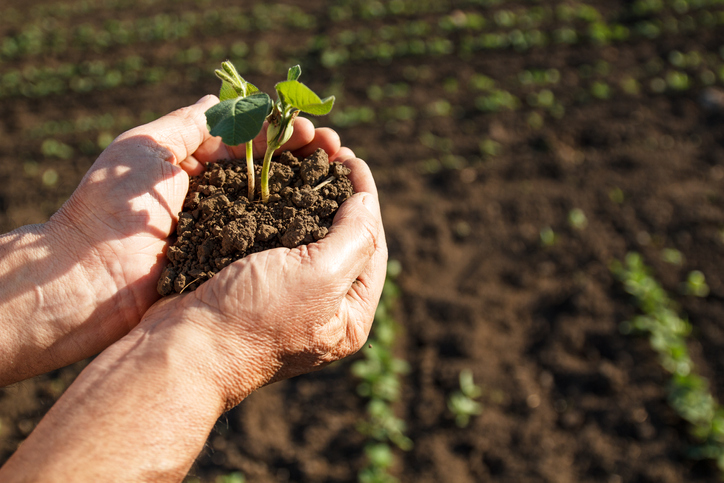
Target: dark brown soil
column 567, row 397
column 219, row 224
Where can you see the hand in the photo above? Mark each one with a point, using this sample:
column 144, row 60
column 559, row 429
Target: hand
column 283, row 312
column 88, row 275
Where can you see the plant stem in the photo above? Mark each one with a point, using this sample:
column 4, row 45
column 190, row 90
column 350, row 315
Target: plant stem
column 265, row 172
column 250, row 170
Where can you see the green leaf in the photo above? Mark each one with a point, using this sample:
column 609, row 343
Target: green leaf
column 294, row 73
column 250, row 88
column 227, row 91
column 295, row 94
column 238, row 120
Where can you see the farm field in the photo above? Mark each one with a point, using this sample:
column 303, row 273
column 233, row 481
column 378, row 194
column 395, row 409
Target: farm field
column 520, row 148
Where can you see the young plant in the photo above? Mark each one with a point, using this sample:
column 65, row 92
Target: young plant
column 293, row 97
column 239, row 118
column 463, row 403
column 234, row 87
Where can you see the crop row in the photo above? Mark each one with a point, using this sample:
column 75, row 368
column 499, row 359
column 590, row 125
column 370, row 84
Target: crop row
column 49, row 36
column 521, row 28
column 13, row 16
column 380, row 384
column 689, row 393
column 182, row 64
column 88, row 124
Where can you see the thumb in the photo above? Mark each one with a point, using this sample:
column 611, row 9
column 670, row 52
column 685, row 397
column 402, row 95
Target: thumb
column 353, row 239
column 180, row 132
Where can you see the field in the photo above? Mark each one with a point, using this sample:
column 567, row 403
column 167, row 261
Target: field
column 520, row 147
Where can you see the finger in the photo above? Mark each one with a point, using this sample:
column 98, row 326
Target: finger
column 324, row 138
column 192, row 166
column 361, row 177
column 342, row 155
column 364, row 291
column 340, row 257
column 213, row 149
column 180, row 132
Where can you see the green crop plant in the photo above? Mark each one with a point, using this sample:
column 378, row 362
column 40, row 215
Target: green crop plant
column 577, row 219
column 462, row 403
column 672, row 256
column 548, row 237
column 379, row 373
column 240, row 115
column 695, row 284
column 688, row 393
column 235, row 477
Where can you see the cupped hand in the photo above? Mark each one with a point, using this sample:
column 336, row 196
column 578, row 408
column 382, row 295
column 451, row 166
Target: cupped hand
column 283, row 312
column 117, row 221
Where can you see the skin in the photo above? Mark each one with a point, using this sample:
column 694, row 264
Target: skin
column 84, row 282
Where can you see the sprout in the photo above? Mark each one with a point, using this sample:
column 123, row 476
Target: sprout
column 462, row 403
column 240, row 115
column 577, row 219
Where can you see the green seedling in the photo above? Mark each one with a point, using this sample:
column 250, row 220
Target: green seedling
column 463, row 403
column 240, row 116
column 548, row 237
column 672, row 256
column 577, row 219
column 695, row 284
column 233, row 88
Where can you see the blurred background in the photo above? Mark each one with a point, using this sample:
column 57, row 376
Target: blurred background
column 520, row 147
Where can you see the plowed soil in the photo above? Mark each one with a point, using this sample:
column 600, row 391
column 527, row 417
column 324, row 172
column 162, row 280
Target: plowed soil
column 465, row 195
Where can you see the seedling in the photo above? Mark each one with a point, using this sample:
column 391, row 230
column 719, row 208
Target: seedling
column 233, row 88
column 695, row 284
column 577, row 219
column 239, row 118
column 463, row 403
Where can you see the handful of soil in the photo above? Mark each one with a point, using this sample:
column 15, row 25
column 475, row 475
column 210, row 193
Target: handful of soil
column 219, row 225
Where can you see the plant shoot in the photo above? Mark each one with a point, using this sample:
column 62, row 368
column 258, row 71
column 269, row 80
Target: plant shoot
column 240, row 116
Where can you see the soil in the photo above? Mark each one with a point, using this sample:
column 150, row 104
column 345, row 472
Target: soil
column 567, row 397
column 219, row 224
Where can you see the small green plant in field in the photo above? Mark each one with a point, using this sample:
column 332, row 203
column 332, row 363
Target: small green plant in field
column 548, row 237
column 462, row 403
column 238, row 119
column 689, row 393
column 235, row 477
column 695, row 284
column 379, row 373
column 577, row 219
column 617, row 195
column 672, row 256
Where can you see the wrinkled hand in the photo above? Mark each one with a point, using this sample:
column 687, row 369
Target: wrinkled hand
column 117, row 221
column 284, row 312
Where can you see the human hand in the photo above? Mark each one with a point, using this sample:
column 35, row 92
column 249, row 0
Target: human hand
column 284, row 312
column 106, row 244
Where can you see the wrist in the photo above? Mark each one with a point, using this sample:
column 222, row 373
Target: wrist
column 232, row 366
column 141, row 411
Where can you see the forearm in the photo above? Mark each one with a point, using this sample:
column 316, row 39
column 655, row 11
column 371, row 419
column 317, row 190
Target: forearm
column 139, row 412
column 52, row 289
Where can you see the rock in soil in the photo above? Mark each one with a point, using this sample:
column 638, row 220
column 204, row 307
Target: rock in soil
column 219, row 224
